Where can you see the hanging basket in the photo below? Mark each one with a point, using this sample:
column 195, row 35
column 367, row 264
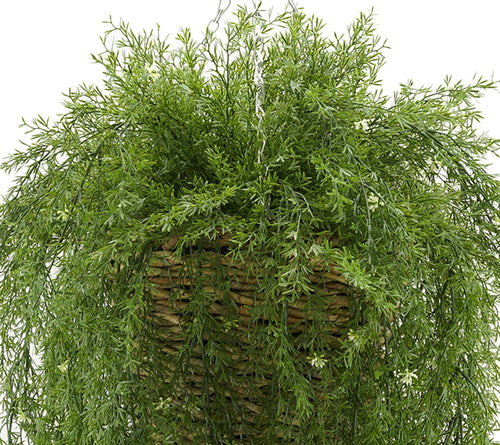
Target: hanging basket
column 225, row 363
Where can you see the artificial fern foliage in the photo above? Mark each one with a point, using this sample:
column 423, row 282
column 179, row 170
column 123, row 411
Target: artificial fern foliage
column 392, row 192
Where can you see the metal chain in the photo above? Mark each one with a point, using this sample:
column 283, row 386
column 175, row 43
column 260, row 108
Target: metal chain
column 213, row 25
column 258, row 58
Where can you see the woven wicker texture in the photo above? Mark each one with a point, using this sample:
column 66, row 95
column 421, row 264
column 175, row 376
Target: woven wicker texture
column 226, row 365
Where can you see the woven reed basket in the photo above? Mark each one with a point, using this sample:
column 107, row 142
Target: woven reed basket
column 232, row 305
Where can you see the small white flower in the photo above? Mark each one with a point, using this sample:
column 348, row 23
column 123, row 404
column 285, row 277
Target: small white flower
column 407, row 377
column 21, row 416
column 374, row 202
column 163, row 404
column 153, row 72
column 353, row 337
column 63, row 367
column 229, row 324
column 317, row 361
column 363, row 125
column 356, row 339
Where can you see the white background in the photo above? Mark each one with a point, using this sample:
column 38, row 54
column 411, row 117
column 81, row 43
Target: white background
column 46, row 45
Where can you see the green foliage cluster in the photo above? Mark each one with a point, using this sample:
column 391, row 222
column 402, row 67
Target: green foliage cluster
column 169, row 146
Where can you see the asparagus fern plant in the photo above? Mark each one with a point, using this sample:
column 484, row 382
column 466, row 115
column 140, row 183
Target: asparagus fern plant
column 171, row 144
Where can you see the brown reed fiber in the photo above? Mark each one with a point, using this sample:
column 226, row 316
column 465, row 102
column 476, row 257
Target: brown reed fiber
column 233, row 305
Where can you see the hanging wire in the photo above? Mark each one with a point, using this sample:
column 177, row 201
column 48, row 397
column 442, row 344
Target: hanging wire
column 258, row 58
column 258, row 79
column 213, row 25
column 258, row 70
